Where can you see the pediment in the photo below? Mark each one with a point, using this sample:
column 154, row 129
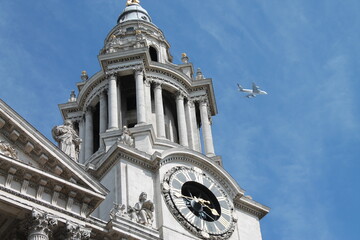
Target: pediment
column 27, row 155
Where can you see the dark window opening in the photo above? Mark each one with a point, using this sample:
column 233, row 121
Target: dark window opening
column 153, row 54
column 131, row 103
column 96, row 127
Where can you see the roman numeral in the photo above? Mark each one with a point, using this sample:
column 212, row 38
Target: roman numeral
column 187, row 176
column 199, row 178
column 221, row 198
column 223, row 221
column 226, row 211
column 190, row 217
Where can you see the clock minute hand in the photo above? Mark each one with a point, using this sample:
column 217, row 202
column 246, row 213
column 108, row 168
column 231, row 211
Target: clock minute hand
column 183, row 196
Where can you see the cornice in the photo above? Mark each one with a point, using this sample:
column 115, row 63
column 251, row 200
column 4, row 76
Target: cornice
column 44, row 152
column 250, row 206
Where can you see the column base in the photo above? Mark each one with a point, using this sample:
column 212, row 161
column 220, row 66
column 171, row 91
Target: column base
column 112, row 129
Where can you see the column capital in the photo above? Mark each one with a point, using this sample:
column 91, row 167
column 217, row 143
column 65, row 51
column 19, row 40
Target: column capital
column 157, row 84
column 147, row 82
column 138, row 69
column 41, row 224
column 77, row 232
column 180, row 95
column 89, row 109
column 191, row 103
column 111, row 74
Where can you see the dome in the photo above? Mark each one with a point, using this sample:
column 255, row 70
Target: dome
column 134, row 12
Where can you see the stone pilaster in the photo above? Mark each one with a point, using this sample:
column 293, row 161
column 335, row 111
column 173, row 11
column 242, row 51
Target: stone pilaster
column 103, row 112
column 40, row 225
column 206, row 129
column 159, row 111
column 113, row 103
column 181, row 120
column 148, row 103
column 89, row 135
column 82, row 136
column 140, row 96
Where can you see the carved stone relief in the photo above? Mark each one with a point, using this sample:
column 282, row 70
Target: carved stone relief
column 8, row 150
column 142, row 212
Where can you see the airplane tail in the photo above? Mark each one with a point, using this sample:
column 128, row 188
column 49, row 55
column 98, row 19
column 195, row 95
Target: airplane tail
column 240, row 87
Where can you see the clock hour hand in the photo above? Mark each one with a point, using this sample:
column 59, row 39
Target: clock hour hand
column 213, row 210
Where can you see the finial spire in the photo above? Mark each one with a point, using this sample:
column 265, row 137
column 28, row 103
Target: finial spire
column 130, row 2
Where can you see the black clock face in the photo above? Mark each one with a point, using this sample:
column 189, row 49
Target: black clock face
column 200, row 201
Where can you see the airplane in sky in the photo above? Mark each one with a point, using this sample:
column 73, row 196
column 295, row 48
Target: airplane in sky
column 252, row 92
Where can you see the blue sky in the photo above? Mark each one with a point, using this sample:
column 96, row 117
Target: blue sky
column 295, row 150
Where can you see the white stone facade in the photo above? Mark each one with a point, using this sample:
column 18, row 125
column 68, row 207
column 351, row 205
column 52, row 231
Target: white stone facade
column 135, row 123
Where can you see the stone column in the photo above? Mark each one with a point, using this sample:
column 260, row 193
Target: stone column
column 41, row 224
column 148, row 101
column 89, row 135
column 183, row 138
column 103, row 113
column 191, row 124
column 206, row 129
column 140, row 96
column 82, row 136
column 159, row 111
column 120, row 113
column 112, row 103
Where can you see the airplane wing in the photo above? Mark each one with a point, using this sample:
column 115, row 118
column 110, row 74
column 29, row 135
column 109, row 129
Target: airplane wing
column 255, row 88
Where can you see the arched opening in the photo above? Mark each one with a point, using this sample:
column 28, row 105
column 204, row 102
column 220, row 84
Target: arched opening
column 153, row 54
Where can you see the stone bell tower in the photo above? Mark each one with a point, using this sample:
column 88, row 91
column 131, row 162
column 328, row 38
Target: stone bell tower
column 145, row 125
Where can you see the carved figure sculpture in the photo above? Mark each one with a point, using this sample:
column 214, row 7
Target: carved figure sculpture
column 68, row 139
column 117, row 211
column 7, row 150
column 129, row 2
column 143, row 210
column 126, row 138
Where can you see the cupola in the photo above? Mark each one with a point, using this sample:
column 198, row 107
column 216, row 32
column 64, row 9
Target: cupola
column 134, row 11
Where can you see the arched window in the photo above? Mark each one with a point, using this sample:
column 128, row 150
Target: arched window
column 153, row 54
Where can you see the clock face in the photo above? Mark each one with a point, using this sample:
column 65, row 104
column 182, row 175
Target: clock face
column 198, row 202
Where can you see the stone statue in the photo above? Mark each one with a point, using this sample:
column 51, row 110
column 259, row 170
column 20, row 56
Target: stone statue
column 143, row 210
column 129, row 2
column 68, row 139
column 7, row 150
column 117, row 211
column 126, row 138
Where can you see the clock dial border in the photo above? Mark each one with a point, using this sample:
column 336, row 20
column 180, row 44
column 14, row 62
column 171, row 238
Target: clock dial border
column 219, row 229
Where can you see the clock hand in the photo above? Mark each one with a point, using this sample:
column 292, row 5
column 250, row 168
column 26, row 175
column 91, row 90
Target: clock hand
column 208, row 215
column 183, row 196
column 213, row 210
column 205, row 203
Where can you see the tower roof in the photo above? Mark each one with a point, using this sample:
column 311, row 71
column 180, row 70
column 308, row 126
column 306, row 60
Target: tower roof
column 133, row 11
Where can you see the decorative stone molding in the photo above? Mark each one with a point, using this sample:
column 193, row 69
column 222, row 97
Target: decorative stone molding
column 14, row 135
column 7, row 150
column 2, row 123
column 41, row 225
